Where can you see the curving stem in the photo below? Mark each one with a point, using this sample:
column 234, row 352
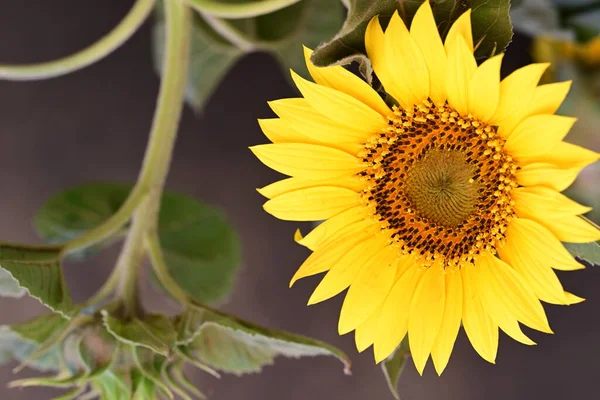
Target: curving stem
column 115, row 38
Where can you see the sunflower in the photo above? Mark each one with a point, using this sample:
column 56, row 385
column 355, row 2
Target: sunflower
column 442, row 209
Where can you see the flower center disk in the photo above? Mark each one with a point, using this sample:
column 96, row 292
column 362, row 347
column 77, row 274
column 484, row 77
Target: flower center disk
column 439, row 183
column 441, row 187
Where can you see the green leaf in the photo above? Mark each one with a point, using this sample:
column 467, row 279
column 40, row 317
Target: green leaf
column 309, row 23
column 154, row 331
column 200, row 247
column 394, row 365
column 587, row 252
column 9, row 287
column 490, row 20
column 19, row 341
column 39, row 272
column 210, row 59
column 70, row 214
column 236, row 346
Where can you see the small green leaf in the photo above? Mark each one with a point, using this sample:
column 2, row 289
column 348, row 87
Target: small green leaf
column 9, row 287
column 394, row 365
column 38, row 270
column 587, row 252
column 490, row 19
column 309, row 23
column 235, row 346
column 70, row 214
column 200, row 247
column 210, row 59
column 154, row 331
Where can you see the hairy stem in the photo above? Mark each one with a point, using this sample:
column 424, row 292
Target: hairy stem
column 115, row 38
column 159, row 150
column 160, row 268
column 240, row 10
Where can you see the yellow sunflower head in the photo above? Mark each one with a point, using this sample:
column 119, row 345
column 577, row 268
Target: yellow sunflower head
column 442, row 210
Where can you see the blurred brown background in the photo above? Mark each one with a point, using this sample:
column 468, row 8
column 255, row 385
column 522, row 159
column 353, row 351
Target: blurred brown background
column 93, row 124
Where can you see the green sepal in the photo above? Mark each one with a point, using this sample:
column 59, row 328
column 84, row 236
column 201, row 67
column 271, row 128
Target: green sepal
column 393, row 366
column 154, row 332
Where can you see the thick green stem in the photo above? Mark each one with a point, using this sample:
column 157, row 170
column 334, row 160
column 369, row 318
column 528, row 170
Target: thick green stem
column 159, row 151
column 119, row 35
column 240, row 10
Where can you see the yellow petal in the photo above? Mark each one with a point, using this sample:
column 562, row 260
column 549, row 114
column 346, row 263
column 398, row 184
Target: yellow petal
column 461, row 67
column 340, row 79
column 549, row 175
column 340, row 107
column 460, row 29
column 548, row 98
column 365, row 333
column 484, row 89
column 307, row 160
column 542, row 202
column 312, row 204
column 425, row 33
column 543, row 244
column 481, row 330
column 520, row 252
column 573, row 299
column 278, row 131
column 327, row 256
column 570, row 228
column 345, row 271
column 330, row 229
column 426, row 314
column 516, row 94
column 368, row 290
column 516, row 296
column 444, row 343
column 492, row 298
column 375, row 46
column 537, row 135
column 393, row 322
column 299, row 113
column 404, row 264
column 410, row 79
column 275, row 189
column 566, row 155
